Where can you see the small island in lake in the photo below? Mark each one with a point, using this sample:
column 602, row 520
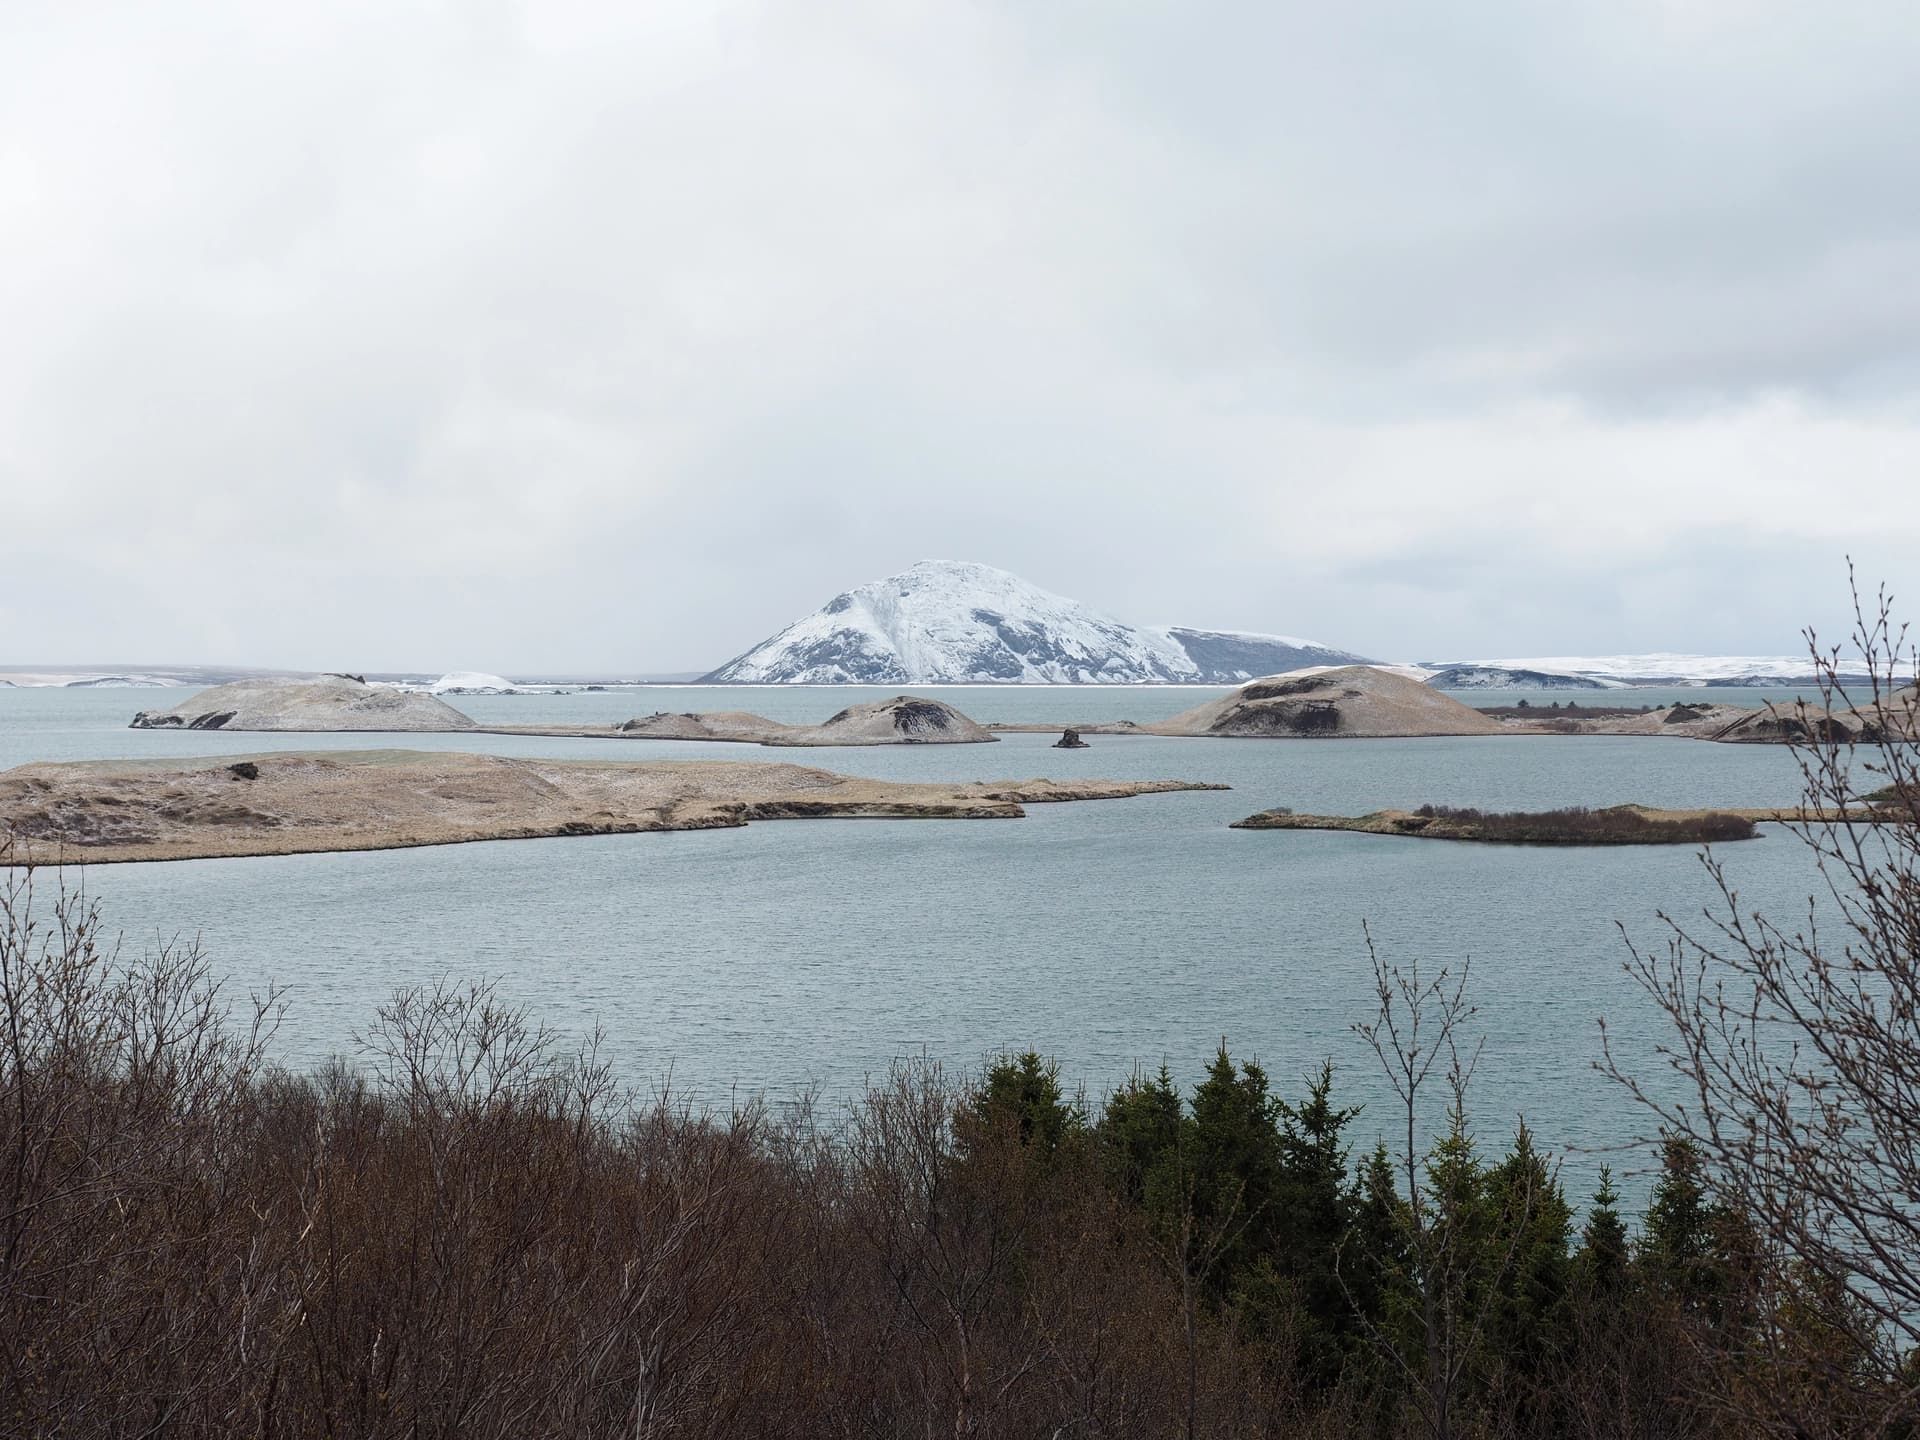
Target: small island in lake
column 322, row 703
column 1615, row 825
column 1368, row 702
column 900, row 720
column 329, row 704
column 1360, row 701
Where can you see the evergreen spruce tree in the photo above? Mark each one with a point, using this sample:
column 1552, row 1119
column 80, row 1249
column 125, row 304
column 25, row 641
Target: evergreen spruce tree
column 1022, row 1094
column 1600, row 1267
column 1374, row 1272
column 1374, row 1257
column 1316, row 1212
column 1677, row 1252
column 1235, row 1164
column 1532, row 1236
column 1140, row 1138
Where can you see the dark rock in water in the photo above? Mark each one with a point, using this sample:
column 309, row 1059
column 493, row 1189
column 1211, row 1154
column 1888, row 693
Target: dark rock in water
column 244, row 770
column 343, row 675
column 1070, row 740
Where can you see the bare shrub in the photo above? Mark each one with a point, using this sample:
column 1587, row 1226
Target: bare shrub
column 1796, row 1046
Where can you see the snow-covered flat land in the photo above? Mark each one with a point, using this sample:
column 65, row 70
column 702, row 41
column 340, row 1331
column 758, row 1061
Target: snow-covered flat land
column 1668, row 666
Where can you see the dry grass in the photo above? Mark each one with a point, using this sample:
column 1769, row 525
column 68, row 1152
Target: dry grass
column 386, row 799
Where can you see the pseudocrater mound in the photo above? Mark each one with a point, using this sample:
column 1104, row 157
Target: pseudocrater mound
column 706, row 725
column 329, row 702
column 1356, row 701
column 900, row 720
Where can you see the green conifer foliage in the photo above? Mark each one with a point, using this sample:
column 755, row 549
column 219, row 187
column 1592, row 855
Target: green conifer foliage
column 1316, row 1213
column 1533, row 1235
column 1140, row 1141
column 1021, row 1093
column 1678, row 1248
column 1235, row 1163
column 1600, row 1267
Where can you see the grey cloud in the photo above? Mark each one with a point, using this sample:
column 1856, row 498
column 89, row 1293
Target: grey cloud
column 583, row 334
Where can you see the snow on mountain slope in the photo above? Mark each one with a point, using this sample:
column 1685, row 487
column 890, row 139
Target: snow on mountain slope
column 1231, row 656
column 954, row 622
column 471, row 682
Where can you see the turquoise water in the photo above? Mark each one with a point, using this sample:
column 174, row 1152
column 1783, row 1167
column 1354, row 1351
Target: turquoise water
column 798, row 956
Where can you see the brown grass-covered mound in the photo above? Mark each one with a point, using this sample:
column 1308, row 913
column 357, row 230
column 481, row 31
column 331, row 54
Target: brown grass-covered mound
column 1350, row 701
column 900, row 720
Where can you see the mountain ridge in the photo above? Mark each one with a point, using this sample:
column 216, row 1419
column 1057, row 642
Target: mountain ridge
column 960, row 622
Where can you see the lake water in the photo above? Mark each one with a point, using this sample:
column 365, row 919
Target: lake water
column 793, row 956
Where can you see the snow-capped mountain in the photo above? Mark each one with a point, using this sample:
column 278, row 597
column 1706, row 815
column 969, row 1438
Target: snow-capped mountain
column 953, row 622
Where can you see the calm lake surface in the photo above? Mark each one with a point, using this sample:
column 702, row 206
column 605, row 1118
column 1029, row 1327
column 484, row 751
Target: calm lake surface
column 805, row 956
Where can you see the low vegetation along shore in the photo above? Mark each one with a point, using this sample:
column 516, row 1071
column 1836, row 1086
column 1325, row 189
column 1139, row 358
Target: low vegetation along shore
column 1615, row 825
column 283, row 804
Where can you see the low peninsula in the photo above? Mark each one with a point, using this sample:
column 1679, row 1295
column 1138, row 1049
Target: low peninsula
column 1614, row 825
column 283, row 804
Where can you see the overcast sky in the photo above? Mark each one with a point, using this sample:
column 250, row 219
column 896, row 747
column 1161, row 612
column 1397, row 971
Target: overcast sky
column 616, row 335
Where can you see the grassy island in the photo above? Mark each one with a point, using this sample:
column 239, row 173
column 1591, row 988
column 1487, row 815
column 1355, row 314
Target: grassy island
column 1575, row 825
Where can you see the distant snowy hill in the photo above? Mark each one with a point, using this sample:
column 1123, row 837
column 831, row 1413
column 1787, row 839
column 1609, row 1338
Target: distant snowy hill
column 472, row 682
column 953, row 622
column 1494, row 677
column 1664, row 668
